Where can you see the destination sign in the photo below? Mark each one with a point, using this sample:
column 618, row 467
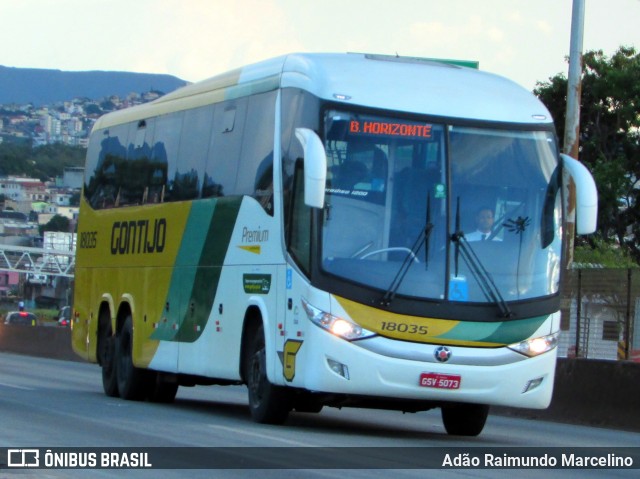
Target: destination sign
column 389, row 128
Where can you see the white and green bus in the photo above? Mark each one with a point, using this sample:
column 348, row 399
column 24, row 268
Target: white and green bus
column 305, row 226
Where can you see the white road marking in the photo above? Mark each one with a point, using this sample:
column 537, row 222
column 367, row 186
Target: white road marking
column 269, row 437
column 16, row 387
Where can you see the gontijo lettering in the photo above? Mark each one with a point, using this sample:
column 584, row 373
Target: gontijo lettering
column 138, row 236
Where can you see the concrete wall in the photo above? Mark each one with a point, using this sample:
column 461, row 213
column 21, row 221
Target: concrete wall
column 42, row 341
column 587, row 391
column 592, row 392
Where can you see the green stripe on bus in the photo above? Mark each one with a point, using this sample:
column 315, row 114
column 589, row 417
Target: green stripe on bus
column 504, row 333
column 209, row 269
column 198, row 268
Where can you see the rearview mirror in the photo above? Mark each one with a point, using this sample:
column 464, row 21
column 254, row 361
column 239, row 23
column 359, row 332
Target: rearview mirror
column 586, row 195
column 315, row 167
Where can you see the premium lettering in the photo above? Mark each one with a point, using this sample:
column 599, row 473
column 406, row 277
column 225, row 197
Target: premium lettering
column 254, row 236
column 138, row 237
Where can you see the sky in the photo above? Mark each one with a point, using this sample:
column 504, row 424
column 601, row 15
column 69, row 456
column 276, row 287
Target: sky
column 525, row 40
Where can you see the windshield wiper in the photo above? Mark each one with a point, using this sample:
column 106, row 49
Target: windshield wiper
column 479, row 272
column 422, row 239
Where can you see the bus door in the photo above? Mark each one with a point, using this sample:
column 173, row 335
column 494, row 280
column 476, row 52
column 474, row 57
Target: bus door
column 291, row 335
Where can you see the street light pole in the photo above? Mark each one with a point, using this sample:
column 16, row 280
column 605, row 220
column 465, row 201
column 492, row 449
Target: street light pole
column 571, row 141
column 572, row 121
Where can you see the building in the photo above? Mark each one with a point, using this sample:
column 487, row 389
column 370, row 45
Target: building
column 23, row 189
column 21, row 193
column 9, row 282
column 73, row 177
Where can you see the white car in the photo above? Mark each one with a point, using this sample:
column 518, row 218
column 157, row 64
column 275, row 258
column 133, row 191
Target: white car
column 21, row 317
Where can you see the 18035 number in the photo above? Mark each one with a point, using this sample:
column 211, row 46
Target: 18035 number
column 393, row 327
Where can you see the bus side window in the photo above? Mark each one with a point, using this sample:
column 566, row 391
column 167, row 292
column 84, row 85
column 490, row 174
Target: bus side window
column 299, row 109
column 256, row 161
column 129, row 188
column 166, row 147
column 134, row 187
column 225, row 148
column 212, row 182
column 109, row 160
column 193, row 153
column 299, row 233
column 91, row 170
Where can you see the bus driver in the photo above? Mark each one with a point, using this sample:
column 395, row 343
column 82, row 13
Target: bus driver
column 484, row 226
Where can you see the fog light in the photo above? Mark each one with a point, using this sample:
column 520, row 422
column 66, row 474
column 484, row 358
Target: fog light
column 532, row 384
column 338, row 368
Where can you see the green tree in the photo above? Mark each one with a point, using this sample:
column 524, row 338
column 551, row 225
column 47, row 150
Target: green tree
column 57, row 223
column 603, row 254
column 13, row 159
column 42, row 162
column 93, row 109
column 609, row 140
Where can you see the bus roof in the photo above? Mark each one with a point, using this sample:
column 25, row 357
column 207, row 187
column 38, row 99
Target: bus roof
column 404, row 84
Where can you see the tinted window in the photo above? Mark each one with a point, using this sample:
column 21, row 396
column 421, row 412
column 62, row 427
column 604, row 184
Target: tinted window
column 256, row 162
column 216, row 150
column 133, row 177
column 299, row 109
column 193, row 152
column 166, row 149
column 225, row 148
column 299, row 234
column 109, row 156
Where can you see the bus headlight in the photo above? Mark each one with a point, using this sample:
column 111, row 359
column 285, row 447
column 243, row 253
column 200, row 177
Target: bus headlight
column 536, row 346
column 339, row 326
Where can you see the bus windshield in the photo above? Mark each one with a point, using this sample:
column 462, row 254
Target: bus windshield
column 461, row 207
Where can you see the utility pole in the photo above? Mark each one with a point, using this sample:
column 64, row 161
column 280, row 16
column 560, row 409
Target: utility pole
column 571, row 141
column 572, row 121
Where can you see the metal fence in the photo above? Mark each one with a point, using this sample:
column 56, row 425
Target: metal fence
column 599, row 310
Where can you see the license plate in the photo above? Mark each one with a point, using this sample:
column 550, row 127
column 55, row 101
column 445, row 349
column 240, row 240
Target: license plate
column 440, row 381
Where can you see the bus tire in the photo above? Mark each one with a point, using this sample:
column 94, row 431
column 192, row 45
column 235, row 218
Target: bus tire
column 305, row 402
column 109, row 376
column 269, row 404
column 465, row 419
column 107, row 355
column 161, row 388
column 132, row 383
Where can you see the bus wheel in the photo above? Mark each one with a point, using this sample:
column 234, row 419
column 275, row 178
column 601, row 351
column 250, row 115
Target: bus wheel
column 268, row 404
column 162, row 388
column 107, row 356
column 465, row 419
column 132, row 382
column 109, row 378
column 305, row 402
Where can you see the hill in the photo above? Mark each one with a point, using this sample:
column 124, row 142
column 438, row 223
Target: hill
column 44, row 87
